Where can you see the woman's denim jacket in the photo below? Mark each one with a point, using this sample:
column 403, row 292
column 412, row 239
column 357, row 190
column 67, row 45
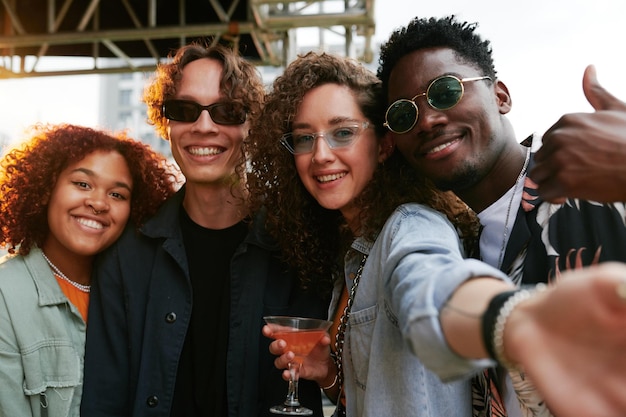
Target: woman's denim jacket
column 42, row 341
column 395, row 355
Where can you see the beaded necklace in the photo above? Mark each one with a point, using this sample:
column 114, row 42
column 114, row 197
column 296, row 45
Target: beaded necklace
column 58, row 273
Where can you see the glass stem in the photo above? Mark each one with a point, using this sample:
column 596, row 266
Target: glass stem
column 294, row 376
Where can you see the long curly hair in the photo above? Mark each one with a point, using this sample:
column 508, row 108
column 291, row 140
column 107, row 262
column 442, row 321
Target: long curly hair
column 447, row 32
column 240, row 82
column 29, row 172
column 313, row 239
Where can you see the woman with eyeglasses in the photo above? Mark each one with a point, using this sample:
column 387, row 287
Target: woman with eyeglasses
column 66, row 194
column 409, row 311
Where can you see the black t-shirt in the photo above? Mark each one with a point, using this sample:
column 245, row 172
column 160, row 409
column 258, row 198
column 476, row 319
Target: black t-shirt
column 201, row 379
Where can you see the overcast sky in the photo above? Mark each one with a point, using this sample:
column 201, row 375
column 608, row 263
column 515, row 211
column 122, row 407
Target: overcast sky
column 541, row 49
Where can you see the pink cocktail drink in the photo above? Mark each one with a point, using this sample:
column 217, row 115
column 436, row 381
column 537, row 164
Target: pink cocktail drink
column 301, row 335
column 300, row 342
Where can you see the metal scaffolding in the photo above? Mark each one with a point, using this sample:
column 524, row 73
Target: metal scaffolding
column 117, row 36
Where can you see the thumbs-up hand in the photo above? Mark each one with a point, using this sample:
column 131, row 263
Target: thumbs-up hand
column 597, row 96
column 584, row 154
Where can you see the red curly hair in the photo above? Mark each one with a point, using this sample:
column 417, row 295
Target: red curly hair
column 29, row 172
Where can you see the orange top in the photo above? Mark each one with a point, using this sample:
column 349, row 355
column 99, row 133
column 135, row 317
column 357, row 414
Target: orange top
column 79, row 298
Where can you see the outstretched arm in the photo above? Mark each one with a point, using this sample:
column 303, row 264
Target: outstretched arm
column 583, row 154
column 570, row 339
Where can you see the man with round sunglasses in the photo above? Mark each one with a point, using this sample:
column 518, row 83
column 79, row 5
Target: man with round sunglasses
column 442, row 93
column 446, row 110
column 177, row 309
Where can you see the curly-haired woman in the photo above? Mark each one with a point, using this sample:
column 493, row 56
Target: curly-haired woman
column 66, row 194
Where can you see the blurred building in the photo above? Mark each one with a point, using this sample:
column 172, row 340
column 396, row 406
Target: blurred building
column 5, row 141
column 121, row 108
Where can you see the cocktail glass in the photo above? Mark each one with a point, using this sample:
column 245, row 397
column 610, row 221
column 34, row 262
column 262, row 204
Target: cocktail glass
column 301, row 335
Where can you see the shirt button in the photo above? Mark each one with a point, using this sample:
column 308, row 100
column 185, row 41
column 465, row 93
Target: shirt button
column 170, row 317
column 152, row 401
column 351, row 275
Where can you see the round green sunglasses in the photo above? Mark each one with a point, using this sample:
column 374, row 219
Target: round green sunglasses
column 443, row 93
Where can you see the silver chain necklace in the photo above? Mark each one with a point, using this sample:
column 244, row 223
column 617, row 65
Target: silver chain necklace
column 343, row 322
column 508, row 212
column 58, row 273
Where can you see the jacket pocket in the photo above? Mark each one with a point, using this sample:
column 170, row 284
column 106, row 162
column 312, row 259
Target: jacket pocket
column 52, row 364
column 361, row 329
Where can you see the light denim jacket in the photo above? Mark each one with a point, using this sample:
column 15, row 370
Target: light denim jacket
column 395, row 355
column 42, row 341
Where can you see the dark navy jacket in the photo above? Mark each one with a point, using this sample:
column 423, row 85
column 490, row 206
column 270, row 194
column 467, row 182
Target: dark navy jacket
column 139, row 312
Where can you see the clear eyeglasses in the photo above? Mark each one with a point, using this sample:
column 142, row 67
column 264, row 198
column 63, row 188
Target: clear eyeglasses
column 299, row 142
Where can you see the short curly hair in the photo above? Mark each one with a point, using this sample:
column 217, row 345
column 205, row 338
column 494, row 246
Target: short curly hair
column 29, row 172
column 241, row 81
column 445, row 32
column 311, row 237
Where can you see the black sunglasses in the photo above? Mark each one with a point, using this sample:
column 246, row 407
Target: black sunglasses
column 443, row 93
column 189, row 111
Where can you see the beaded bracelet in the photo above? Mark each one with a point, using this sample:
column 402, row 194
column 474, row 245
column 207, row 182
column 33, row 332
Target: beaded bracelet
column 493, row 324
column 489, row 319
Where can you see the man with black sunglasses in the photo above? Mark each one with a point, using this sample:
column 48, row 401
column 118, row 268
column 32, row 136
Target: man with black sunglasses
column 446, row 110
column 177, row 309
